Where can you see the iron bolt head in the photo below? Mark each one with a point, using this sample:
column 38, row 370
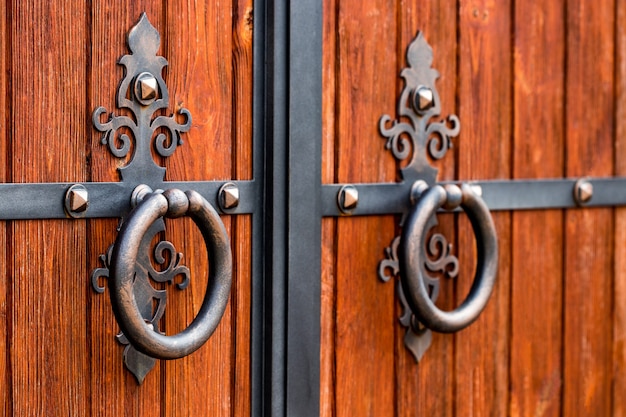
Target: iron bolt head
column 146, row 88
column 418, row 188
column 228, row 198
column 348, row 198
column 423, row 99
column 454, row 196
column 76, row 200
column 583, row 191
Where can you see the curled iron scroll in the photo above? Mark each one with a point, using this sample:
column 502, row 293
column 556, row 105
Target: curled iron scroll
column 412, row 257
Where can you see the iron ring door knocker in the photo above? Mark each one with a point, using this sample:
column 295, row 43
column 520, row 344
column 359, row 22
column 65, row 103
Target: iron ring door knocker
column 413, row 239
column 171, row 203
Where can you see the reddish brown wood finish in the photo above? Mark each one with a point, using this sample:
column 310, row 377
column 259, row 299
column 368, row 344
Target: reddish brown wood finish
column 537, row 237
column 619, row 294
column 365, row 309
column 539, row 88
column 5, row 376
column 48, row 350
column 589, row 233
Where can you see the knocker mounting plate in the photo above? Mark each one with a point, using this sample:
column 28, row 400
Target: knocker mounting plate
column 144, row 93
column 412, row 134
column 142, row 99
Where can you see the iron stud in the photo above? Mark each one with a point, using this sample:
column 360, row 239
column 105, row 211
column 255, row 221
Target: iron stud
column 146, row 88
column 583, row 191
column 76, row 200
column 348, row 198
column 228, row 196
column 423, row 99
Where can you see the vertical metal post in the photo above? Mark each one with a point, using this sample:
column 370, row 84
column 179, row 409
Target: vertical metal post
column 304, row 211
column 293, row 208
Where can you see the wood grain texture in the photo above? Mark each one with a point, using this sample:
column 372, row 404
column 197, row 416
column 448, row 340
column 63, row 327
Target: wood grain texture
column 199, row 47
column 328, row 318
column 48, row 343
column 416, row 384
column 5, row 308
column 243, row 25
column 365, row 307
column 537, row 236
column 619, row 292
column 114, row 390
column 589, row 233
column 485, row 111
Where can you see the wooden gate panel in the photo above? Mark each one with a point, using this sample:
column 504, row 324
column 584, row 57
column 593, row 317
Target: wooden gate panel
column 619, row 292
column 537, row 257
column 589, row 233
column 48, row 345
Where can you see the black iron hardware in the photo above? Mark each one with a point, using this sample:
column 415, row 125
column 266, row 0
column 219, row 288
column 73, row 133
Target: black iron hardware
column 127, row 264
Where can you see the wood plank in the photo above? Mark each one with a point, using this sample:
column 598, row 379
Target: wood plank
column 537, row 258
column 589, row 233
column 328, row 318
column 48, row 341
column 243, row 25
column 5, row 285
column 365, row 308
column 619, row 323
column 485, row 79
column 199, row 47
column 416, row 384
column 114, row 390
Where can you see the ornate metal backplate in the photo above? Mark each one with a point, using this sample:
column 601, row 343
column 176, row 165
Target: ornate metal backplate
column 413, row 134
column 143, row 93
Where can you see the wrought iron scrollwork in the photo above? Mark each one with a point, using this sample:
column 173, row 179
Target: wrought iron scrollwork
column 438, row 258
column 413, row 130
column 411, row 136
column 150, row 300
column 144, row 93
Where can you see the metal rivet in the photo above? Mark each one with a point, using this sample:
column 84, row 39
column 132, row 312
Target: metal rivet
column 417, row 189
column 139, row 193
column 423, row 99
column 348, row 198
column 146, row 88
column 583, row 191
column 454, row 196
column 76, row 201
column 228, row 198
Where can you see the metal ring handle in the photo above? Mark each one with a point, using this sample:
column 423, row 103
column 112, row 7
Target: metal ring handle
column 413, row 238
column 171, row 203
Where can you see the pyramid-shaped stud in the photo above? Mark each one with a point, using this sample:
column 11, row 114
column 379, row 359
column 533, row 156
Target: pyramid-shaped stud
column 79, row 200
column 348, row 198
column 424, row 99
column 583, row 191
column 76, row 200
column 146, row 88
column 229, row 196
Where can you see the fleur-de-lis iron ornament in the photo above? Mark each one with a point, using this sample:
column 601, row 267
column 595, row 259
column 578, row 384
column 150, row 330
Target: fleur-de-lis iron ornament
column 413, row 134
column 143, row 92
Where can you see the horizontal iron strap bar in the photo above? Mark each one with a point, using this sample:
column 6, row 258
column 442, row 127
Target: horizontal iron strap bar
column 29, row 201
column 393, row 198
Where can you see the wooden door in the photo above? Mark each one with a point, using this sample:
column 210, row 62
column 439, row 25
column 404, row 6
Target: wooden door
column 539, row 90
column 58, row 63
